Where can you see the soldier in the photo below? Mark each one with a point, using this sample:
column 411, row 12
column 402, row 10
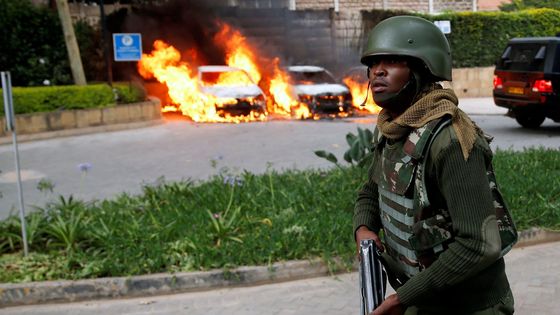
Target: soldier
column 430, row 202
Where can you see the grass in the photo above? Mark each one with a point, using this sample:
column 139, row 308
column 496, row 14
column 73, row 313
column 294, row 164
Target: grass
column 230, row 221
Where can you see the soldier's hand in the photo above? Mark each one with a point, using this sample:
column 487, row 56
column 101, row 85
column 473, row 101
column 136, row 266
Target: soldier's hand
column 391, row 306
column 363, row 233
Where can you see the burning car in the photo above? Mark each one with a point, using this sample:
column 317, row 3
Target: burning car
column 231, row 90
column 317, row 88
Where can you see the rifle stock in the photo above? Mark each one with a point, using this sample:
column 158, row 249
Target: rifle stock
column 372, row 277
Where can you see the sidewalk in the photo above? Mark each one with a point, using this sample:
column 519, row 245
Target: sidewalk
column 532, row 271
column 481, row 106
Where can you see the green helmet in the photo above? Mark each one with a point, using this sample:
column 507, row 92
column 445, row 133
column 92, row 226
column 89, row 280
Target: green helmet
column 414, row 37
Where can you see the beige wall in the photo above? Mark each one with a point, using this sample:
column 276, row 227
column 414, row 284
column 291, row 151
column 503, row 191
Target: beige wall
column 473, row 82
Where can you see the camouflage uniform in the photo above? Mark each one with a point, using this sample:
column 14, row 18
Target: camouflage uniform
column 418, row 225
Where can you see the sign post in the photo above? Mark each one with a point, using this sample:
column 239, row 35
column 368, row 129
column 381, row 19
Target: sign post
column 127, row 46
column 444, row 26
column 10, row 126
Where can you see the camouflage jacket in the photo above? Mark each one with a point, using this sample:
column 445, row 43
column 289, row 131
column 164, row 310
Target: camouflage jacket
column 428, row 199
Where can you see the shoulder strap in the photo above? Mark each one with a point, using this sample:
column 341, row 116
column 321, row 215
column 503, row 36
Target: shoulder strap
column 419, row 141
column 378, row 139
column 420, row 150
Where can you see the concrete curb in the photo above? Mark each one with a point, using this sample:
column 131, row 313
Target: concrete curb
column 157, row 284
column 80, row 131
column 63, row 123
column 167, row 283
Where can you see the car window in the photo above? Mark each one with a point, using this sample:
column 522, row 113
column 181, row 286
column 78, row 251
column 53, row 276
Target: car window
column 229, row 78
column 315, row 77
column 523, row 57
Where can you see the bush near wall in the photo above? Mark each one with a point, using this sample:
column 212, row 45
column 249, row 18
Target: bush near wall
column 52, row 98
column 477, row 39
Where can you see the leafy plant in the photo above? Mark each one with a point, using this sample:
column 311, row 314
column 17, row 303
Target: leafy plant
column 10, row 231
column 176, row 226
column 224, row 226
column 66, row 224
column 360, row 149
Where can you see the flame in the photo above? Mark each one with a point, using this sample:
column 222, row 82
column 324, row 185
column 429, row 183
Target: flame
column 359, row 91
column 186, row 89
column 239, row 53
column 164, row 64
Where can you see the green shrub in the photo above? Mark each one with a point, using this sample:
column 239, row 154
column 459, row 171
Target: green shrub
column 477, row 39
column 52, row 98
column 129, row 92
column 515, row 5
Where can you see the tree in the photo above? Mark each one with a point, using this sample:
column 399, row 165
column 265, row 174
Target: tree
column 32, row 45
column 71, row 43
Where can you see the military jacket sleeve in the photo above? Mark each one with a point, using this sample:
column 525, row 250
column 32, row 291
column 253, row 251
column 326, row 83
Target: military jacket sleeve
column 461, row 187
column 366, row 210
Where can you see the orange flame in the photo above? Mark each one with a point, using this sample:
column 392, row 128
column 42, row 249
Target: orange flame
column 359, row 91
column 165, row 64
column 185, row 89
column 239, row 53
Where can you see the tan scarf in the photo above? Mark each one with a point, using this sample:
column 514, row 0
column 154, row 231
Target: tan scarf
column 432, row 104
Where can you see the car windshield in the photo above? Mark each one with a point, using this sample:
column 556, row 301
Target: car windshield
column 225, row 78
column 312, row 77
column 523, row 57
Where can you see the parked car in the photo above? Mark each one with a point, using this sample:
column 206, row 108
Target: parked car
column 527, row 80
column 316, row 87
column 233, row 89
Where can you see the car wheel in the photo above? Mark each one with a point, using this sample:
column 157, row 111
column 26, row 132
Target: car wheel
column 529, row 120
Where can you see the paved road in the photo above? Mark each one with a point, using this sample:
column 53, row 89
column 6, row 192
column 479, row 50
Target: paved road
column 121, row 161
column 532, row 271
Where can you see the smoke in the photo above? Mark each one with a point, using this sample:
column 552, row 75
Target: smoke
column 188, row 25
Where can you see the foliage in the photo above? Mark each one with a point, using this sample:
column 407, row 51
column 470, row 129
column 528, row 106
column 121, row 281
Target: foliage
column 477, row 39
column 32, row 44
column 518, row 5
column 129, row 92
column 531, row 183
column 360, row 149
column 185, row 226
column 52, row 98
column 224, row 222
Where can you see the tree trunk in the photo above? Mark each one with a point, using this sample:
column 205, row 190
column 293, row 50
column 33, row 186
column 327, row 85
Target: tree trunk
column 71, row 43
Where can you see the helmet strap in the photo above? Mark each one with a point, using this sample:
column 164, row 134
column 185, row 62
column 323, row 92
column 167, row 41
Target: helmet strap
column 367, row 92
column 401, row 100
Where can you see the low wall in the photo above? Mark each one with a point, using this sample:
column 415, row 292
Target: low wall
column 473, row 82
column 84, row 118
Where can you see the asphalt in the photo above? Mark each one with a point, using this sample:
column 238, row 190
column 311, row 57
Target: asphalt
column 296, row 287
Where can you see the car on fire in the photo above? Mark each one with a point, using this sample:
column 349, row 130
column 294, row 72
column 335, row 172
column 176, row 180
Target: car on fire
column 232, row 89
column 527, row 80
column 317, row 88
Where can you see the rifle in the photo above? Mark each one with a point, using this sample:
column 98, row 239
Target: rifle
column 372, row 277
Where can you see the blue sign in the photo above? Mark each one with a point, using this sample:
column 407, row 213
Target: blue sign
column 127, row 46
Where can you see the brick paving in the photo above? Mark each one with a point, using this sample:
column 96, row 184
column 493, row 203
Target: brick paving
column 534, row 273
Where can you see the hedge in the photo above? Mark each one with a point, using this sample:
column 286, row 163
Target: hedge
column 52, row 98
column 477, row 39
